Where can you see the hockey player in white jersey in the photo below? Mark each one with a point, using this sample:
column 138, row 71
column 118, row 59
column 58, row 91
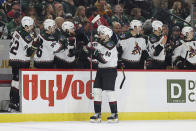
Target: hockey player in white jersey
column 185, row 55
column 48, row 45
column 132, row 48
column 107, row 56
column 66, row 58
column 156, row 47
column 22, row 39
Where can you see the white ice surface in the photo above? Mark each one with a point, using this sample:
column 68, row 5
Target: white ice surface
column 188, row 125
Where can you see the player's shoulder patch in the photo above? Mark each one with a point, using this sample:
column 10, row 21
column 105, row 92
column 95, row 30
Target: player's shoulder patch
column 153, row 38
column 125, row 36
column 25, row 35
column 28, row 38
column 62, row 38
column 51, row 37
column 110, row 45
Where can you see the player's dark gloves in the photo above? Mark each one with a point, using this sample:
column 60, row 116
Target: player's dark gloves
column 30, row 51
column 72, row 52
column 37, row 43
column 71, row 41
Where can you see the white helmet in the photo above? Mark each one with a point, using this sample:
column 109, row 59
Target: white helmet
column 107, row 32
column 49, row 23
column 100, row 28
column 27, row 21
column 156, row 25
column 67, row 25
column 136, row 23
column 186, row 30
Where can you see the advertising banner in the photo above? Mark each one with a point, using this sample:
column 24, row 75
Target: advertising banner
column 59, row 91
column 4, row 57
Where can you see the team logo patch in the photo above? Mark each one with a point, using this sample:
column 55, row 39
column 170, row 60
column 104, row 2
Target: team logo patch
column 62, row 37
column 51, row 37
column 153, row 39
column 123, row 36
column 192, row 52
column 137, row 49
column 110, row 44
column 28, row 38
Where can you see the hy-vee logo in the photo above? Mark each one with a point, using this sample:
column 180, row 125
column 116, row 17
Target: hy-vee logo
column 52, row 90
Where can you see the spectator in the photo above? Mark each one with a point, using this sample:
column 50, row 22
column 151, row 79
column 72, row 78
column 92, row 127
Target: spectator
column 69, row 6
column 80, row 16
column 173, row 43
column 103, row 7
column 14, row 24
column 177, row 10
column 49, row 12
column 3, row 27
column 161, row 12
column 102, row 21
column 136, row 14
column 59, row 21
column 86, row 3
column 116, row 26
column 165, row 30
column 7, row 6
column 32, row 13
column 59, row 9
column 3, row 17
column 119, row 16
column 15, row 8
column 68, row 17
column 189, row 18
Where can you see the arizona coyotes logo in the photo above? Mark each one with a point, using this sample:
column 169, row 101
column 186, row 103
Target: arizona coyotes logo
column 192, row 52
column 137, row 49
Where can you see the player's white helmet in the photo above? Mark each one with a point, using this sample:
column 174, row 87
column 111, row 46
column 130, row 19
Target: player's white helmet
column 186, row 30
column 67, row 25
column 106, row 32
column 100, row 28
column 49, row 25
column 156, row 25
column 135, row 23
column 27, row 21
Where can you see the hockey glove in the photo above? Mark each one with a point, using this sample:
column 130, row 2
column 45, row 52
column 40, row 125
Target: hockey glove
column 88, row 50
column 97, row 55
column 72, row 52
column 30, row 51
column 71, row 41
column 37, row 43
column 121, row 64
column 64, row 44
column 179, row 62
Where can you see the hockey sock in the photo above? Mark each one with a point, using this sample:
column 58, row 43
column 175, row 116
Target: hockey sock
column 97, row 106
column 113, row 107
column 14, row 95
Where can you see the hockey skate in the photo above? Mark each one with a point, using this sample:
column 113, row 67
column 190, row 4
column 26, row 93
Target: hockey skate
column 96, row 118
column 113, row 118
column 13, row 107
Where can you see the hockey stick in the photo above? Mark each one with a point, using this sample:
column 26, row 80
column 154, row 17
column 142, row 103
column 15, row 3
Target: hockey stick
column 91, row 55
column 186, row 51
column 124, row 77
column 91, row 64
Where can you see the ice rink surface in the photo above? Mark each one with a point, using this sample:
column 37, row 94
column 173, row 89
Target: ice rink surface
column 177, row 125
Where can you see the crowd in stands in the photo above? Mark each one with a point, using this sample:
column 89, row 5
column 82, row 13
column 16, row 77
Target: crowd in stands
column 116, row 14
column 81, row 11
